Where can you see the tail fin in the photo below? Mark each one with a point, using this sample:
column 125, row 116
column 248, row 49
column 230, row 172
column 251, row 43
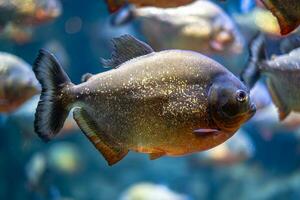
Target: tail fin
column 257, row 54
column 51, row 112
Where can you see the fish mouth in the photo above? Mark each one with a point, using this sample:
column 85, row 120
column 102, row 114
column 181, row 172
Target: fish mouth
column 234, row 121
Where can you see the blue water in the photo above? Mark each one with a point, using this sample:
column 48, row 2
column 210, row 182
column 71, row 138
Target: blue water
column 73, row 169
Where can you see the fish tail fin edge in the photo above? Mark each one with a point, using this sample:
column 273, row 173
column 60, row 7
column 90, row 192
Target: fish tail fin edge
column 257, row 55
column 52, row 110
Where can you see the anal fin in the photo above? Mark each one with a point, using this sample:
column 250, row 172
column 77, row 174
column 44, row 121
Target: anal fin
column 86, row 77
column 111, row 151
column 283, row 114
column 154, row 156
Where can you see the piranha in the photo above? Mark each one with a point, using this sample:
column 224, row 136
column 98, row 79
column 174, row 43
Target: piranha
column 200, row 26
column 17, row 82
column 287, row 13
column 115, row 5
column 28, row 12
column 17, row 34
column 172, row 102
column 282, row 76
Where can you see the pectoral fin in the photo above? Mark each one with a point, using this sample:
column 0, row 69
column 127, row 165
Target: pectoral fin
column 204, row 132
column 154, row 156
column 111, row 151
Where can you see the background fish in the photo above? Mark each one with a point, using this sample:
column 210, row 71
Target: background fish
column 41, row 167
column 282, row 72
column 258, row 19
column 17, row 33
column 17, row 16
column 114, row 5
column 287, row 13
column 28, row 12
column 201, row 26
column 150, row 191
column 257, row 52
column 166, row 103
column 17, row 82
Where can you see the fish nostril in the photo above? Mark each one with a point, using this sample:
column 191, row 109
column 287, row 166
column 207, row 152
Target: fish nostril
column 253, row 108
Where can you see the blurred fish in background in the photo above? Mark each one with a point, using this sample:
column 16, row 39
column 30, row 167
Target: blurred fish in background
column 151, row 191
column 282, row 72
column 17, row 82
column 64, row 157
column 115, row 5
column 61, row 158
column 258, row 19
column 35, row 168
column 201, row 26
column 287, row 13
column 17, row 34
column 18, row 16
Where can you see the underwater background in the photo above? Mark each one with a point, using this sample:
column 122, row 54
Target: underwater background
column 262, row 163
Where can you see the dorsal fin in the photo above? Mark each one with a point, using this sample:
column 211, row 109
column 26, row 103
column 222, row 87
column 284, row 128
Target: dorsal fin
column 126, row 48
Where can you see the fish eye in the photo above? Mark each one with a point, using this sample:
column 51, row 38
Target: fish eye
column 241, row 96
